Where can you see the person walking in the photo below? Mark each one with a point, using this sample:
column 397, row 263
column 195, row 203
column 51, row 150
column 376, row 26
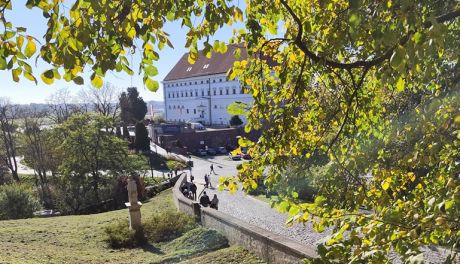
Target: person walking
column 193, row 190
column 204, row 200
column 212, row 169
column 206, row 181
column 214, row 202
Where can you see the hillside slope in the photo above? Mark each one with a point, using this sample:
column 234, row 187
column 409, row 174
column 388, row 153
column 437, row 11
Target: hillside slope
column 80, row 239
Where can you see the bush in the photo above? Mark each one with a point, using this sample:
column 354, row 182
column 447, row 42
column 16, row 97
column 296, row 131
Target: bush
column 168, row 225
column 235, row 121
column 175, row 165
column 120, row 236
column 17, row 201
column 199, row 240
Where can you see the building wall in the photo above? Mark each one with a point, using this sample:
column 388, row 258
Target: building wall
column 189, row 100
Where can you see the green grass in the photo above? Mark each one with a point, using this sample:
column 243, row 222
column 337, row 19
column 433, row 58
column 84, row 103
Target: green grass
column 80, row 239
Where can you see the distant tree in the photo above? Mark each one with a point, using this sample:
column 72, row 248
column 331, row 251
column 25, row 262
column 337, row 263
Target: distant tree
column 61, row 106
column 38, row 150
column 8, row 151
column 141, row 141
column 104, row 101
column 133, row 107
column 236, row 121
column 91, row 158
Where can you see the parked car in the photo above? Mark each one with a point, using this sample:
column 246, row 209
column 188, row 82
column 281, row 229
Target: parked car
column 235, row 156
column 211, row 151
column 221, row 150
column 201, row 152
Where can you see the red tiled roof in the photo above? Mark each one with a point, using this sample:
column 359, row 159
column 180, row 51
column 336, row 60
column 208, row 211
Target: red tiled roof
column 218, row 64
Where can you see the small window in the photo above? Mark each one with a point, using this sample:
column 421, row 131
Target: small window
column 187, row 111
column 220, row 91
column 169, row 107
column 205, row 66
column 194, row 111
column 215, row 106
column 234, row 91
column 173, row 95
column 227, row 91
column 174, row 107
column 196, row 92
column 201, row 82
column 169, row 95
column 220, row 80
column 214, row 91
column 189, row 69
column 209, row 93
column 190, row 83
column 207, row 81
column 202, row 93
column 214, row 81
column 186, row 94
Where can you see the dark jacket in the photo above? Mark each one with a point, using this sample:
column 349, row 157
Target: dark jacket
column 204, row 200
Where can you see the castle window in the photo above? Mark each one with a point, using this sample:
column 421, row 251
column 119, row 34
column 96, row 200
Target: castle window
column 205, row 66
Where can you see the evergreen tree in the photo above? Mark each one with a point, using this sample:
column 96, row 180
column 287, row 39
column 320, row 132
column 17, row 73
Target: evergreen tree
column 141, row 141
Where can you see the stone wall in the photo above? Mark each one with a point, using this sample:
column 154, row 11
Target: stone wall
column 269, row 247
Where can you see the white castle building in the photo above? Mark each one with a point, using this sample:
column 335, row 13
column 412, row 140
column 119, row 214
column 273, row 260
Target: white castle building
column 201, row 92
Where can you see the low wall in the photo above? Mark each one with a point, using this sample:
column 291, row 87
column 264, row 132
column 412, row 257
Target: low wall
column 269, row 247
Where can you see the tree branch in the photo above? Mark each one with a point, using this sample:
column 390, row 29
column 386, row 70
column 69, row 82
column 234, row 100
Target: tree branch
column 361, row 63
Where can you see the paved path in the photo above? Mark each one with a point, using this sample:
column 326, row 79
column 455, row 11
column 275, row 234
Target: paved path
column 258, row 213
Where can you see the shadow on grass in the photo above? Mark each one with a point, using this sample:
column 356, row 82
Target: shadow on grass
column 152, row 249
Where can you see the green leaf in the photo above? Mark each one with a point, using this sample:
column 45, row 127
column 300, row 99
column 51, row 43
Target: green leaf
column 30, row 77
column 45, row 79
column 151, row 84
column 30, row 48
column 96, row 81
column 2, row 63
column 236, row 108
column 151, row 70
column 398, row 57
column 78, row 80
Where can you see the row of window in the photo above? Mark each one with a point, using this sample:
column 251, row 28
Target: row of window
column 188, row 112
column 190, row 83
column 190, row 93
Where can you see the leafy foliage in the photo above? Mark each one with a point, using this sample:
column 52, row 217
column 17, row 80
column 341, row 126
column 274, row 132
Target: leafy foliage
column 17, row 201
column 87, row 152
column 133, row 107
column 342, row 76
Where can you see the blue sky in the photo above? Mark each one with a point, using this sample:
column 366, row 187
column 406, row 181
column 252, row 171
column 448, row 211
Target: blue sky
column 27, row 92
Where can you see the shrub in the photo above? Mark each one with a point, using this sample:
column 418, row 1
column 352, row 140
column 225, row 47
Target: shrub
column 17, row 201
column 199, row 240
column 120, row 236
column 235, row 121
column 168, row 225
column 175, row 165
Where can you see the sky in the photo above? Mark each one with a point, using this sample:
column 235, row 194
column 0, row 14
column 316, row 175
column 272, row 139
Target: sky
column 27, row 91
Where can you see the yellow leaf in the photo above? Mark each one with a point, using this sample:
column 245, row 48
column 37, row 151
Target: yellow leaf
column 386, row 183
column 97, row 81
column 457, row 119
column 30, row 48
column 411, row 176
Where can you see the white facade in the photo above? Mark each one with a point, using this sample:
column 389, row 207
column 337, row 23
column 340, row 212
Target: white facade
column 202, row 99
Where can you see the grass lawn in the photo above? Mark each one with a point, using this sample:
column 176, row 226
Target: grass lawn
column 80, row 239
